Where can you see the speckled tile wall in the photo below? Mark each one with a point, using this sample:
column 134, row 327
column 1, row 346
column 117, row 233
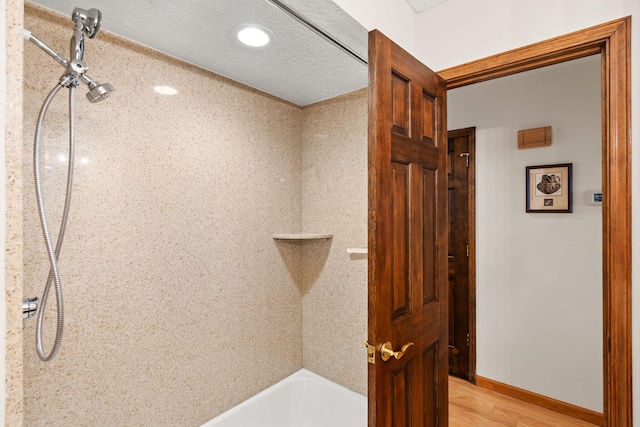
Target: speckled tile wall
column 178, row 303
column 334, row 200
column 13, row 258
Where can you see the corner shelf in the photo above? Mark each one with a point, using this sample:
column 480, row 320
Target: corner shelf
column 301, row 236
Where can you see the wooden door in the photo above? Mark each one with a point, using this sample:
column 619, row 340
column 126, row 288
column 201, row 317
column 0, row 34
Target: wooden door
column 461, row 213
column 407, row 239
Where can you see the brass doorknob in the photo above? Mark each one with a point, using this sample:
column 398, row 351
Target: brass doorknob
column 386, row 351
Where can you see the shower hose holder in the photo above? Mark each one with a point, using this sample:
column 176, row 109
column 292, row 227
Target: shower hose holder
column 29, row 307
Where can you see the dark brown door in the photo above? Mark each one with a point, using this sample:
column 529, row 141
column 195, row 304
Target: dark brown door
column 407, row 239
column 460, row 179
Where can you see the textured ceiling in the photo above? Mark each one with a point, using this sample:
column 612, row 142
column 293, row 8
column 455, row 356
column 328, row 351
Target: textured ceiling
column 299, row 66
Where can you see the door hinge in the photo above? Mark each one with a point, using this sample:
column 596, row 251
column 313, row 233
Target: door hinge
column 467, row 250
column 467, row 339
column 466, row 155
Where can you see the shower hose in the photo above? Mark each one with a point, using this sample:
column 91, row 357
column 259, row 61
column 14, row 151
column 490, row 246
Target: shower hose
column 53, row 254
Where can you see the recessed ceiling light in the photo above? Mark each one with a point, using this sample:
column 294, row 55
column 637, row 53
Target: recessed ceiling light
column 252, row 35
column 165, row 90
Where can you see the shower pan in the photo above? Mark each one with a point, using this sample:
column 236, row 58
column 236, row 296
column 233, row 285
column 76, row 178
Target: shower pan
column 87, row 23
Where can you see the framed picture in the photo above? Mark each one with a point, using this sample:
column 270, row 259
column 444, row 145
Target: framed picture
column 549, row 188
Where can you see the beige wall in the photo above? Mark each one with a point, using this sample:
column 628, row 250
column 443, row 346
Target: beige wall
column 178, row 303
column 11, row 282
column 334, row 200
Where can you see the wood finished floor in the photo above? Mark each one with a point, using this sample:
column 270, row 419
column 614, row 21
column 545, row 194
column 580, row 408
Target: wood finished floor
column 472, row 406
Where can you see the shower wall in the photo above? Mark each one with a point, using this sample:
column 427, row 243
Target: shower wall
column 334, row 200
column 178, row 302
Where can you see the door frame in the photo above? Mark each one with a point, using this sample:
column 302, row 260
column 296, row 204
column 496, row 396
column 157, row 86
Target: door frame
column 613, row 41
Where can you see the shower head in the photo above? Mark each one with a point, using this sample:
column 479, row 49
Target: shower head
column 90, row 19
column 98, row 92
column 87, row 24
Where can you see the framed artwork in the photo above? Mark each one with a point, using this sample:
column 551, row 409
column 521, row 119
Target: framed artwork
column 549, row 188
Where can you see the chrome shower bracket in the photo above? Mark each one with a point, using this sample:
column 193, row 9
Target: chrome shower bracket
column 75, row 74
column 75, row 71
column 29, row 307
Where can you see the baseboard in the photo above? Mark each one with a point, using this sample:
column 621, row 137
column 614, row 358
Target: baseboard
column 543, row 401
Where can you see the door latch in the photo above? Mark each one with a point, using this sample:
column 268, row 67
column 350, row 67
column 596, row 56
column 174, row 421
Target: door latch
column 371, row 353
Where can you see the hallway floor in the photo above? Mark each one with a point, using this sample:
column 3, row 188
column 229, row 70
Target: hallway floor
column 472, row 406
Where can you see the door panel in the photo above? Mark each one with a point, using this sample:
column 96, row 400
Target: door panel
column 401, row 395
column 430, row 361
column 407, row 239
column 400, row 215
column 430, row 291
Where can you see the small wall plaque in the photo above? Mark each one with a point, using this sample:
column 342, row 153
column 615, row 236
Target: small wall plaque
column 534, row 138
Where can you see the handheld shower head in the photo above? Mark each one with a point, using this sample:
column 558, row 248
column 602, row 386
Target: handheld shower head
column 87, row 24
column 98, row 92
column 90, row 19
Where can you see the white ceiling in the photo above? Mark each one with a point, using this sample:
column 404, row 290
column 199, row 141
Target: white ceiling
column 299, row 66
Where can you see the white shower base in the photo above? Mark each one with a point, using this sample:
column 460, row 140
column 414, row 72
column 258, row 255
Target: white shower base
column 303, row 399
